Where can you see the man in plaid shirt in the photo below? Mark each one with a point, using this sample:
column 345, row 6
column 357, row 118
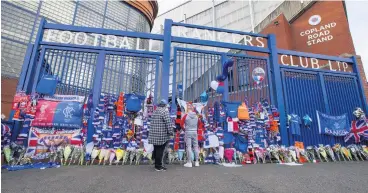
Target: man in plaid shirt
column 161, row 130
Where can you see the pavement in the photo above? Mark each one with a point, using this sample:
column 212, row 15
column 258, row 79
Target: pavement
column 341, row 177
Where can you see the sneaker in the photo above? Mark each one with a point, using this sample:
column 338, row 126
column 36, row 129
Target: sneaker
column 164, row 168
column 188, row 165
column 196, row 164
column 159, row 169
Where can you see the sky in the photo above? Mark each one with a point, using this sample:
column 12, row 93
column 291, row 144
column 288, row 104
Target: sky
column 357, row 14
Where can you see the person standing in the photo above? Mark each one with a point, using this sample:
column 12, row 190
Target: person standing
column 190, row 123
column 161, row 131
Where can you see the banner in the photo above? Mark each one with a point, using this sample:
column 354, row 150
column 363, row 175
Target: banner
column 332, row 125
column 58, row 114
column 41, row 140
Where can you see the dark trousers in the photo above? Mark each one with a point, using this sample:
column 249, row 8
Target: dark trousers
column 158, row 154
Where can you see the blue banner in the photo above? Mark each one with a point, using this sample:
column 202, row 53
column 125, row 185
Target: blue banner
column 68, row 114
column 333, row 125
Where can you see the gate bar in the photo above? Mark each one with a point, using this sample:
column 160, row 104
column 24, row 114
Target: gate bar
column 317, row 56
column 217, row 29
column 97, row 86
column 278, row 88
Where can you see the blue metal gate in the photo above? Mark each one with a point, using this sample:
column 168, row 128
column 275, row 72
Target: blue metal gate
column 193, row 71
column 309, row 90
column 96, row 69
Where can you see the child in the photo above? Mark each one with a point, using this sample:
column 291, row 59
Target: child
column 190, row 123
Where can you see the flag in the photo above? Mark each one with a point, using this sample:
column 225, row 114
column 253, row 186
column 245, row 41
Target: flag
column 332, row 125
column 58, row 114
column 359, row 128
column 41, row 140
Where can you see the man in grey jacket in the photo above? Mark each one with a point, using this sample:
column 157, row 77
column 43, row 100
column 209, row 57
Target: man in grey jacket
column 160, row 132
column 190, row 123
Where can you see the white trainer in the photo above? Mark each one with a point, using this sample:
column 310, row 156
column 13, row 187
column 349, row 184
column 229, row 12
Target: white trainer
column 196, row 164
column 188, row 165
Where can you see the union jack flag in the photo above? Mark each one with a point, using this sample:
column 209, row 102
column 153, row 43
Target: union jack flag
column 40, row 140
column 359, row 128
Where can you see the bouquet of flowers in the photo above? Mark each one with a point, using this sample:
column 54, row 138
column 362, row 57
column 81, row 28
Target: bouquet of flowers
column 363, row 152
column 353, row 151
column 112, row 156
column 107, row 156
column 322, row 151
column 337, row 149
column 132, row 155
column 139, row 155
column 292, row 154
column 310, row 153
column 60, row 154
column 119, row 154
column 274, row 151
column 346, row 153
column 260, row 154
column 75, row 155
column 94, row 154
column 330, row 153
column 101, row 156
column 126, row 157
column 316, row 150
column 8, row 154
column 68, row 150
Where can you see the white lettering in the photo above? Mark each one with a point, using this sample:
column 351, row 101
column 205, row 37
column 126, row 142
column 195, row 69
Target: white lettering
column 70, row 38
column 345, row 65
column 259, row 40
column 84, row 41
column 329, row 62
column 314, row 61
column 97, row 37
column 108, row 40
column 209, row 35
column 301, row 62
column 125, row 43
column 138, row 43
column 292, row 61
column 183, row 32
column 338, row 65
column 282, row 60
column 50, row 35
column 248, row 40
column 196, row 34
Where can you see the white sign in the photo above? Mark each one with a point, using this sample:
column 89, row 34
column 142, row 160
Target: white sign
column 218, row 36
column 314, row 63
column 315, row 20
column 318, row 34
column 112, row 41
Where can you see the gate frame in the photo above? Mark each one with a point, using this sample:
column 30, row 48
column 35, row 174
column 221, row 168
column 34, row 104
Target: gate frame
column 277, row 95
column 320, row 73
column 223, row 56
column 32, row 67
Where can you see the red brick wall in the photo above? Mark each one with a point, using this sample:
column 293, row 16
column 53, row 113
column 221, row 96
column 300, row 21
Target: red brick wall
column 8, row 88
column 330, row 12
column 364, row 79
column 288, row 35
